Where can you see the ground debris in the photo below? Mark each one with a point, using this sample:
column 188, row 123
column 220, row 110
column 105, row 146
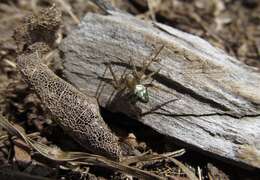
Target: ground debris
column 231, row 25
column 215, row 173
column 66, row 103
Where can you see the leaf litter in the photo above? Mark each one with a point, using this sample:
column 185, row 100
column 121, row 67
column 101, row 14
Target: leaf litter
column 220, row 22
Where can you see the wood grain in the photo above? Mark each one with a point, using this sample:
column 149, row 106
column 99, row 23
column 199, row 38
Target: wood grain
column 203, row 97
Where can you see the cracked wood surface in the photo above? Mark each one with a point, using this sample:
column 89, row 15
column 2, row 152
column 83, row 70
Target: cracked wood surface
column 203, row 97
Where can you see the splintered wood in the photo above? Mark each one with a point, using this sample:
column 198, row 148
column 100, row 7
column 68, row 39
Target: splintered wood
column 205, row 98
column 77, row 113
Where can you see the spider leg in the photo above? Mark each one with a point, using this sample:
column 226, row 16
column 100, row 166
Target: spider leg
column 135, row 72
column 157, row 87
column 150, row 84
column 150, row 75
column 158, row 52
column 99, row 91
column 122, row 86
column 122, row 75
column 102, row 87
column 146, row 65
column 116, row 81
column 159, row 106
column 110, row 97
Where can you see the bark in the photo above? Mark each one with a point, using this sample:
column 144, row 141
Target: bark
column 201, row 96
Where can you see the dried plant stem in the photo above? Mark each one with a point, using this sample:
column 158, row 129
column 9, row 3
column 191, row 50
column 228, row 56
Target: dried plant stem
column 68, row 8
column 76, row 158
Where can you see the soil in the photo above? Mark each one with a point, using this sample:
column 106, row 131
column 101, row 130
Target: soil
column 228, row 24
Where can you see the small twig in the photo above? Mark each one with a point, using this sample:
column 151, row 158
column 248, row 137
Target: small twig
column 79, row 158
column 68, row 8
column 105, row 6
column 188, row 172
column 10, row 63
column 13, row 174
column 153, row 157
column 200, row 173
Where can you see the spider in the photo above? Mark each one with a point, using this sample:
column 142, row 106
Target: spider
column 134, row 82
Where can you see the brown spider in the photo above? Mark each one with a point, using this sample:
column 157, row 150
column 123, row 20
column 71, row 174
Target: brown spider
column 134, row 81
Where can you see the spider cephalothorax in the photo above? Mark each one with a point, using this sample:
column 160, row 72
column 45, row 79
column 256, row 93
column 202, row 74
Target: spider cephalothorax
column 135, row 81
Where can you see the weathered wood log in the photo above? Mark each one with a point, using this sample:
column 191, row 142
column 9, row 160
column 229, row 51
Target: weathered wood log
column 203, row 97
